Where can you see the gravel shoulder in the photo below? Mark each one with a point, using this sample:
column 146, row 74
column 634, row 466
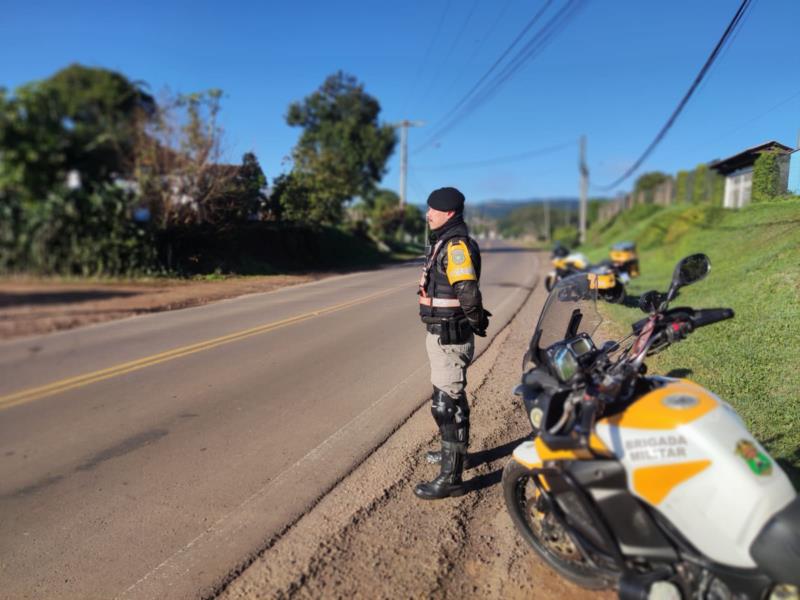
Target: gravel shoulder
column 370, row 537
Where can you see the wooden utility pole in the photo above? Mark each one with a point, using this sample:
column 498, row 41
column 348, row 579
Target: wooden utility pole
column 404, row 125
column 584, row 171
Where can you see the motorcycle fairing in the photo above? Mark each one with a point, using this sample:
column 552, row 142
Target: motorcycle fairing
column 678, row 445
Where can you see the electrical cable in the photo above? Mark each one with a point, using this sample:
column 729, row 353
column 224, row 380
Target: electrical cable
column 500, row 159
column 743, row 7
column 480, row 43
column 528, row 52
column 428, row 52
column 449, row 53
column 496, row 63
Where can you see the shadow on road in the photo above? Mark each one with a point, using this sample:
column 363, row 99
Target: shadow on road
column 8, row 299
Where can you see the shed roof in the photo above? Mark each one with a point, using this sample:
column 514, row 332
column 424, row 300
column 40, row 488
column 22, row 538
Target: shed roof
column 747, row 158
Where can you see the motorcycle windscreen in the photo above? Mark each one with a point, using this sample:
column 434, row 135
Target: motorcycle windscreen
column 571, row 309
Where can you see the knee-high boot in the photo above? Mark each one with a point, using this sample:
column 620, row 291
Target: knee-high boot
column 452, row 416
column 434, row 457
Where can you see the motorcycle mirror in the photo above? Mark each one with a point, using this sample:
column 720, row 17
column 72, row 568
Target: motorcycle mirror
column 651, row 301
column 690, row 269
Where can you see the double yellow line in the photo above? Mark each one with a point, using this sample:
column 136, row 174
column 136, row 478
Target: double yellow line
column 30, row 394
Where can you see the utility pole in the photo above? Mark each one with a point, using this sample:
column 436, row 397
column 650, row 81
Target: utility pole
column 584, row 170
column 403, row 126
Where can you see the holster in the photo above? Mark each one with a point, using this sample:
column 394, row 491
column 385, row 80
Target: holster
column 454, row 330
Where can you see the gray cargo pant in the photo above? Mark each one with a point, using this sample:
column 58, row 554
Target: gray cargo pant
column 449, row 364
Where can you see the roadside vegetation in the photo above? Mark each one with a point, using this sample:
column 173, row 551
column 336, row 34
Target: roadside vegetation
column 99, row 177
column 752, row 360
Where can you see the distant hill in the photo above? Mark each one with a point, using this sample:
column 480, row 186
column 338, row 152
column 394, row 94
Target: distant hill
column 498, row 209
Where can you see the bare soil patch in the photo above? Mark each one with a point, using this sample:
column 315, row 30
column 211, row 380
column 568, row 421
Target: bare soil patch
column 35, row 306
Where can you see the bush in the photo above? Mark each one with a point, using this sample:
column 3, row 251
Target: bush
column 78, row 232
column 567, row 235
column 766, row 178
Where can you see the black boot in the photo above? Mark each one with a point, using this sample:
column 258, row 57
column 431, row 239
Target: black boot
column 452, row 416
column 449, row 482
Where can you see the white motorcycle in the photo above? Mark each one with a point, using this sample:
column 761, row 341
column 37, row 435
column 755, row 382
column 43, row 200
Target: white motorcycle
column 649, row 484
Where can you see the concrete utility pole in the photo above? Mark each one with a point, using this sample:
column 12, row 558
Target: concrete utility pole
column 404, row 125
column 584, row 170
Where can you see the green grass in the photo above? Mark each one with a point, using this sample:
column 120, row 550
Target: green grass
column 752, row 361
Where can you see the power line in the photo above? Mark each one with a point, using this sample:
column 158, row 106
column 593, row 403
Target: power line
column 480, row 43
column 500, row 159
column 453, row 45
column 521, row 34
column 757, row 117
column 428, row 52
column 743, row 7
column 528, row 52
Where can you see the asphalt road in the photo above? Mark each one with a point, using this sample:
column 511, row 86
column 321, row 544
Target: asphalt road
column 153, row 457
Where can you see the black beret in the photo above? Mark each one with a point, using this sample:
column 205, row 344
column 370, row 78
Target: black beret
column 446, row 199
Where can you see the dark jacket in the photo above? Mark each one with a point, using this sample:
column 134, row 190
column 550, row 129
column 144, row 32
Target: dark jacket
column 456, row 247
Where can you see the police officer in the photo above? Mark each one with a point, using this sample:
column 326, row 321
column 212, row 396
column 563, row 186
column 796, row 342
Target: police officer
column 451, row 308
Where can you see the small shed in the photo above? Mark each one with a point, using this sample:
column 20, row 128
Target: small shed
column 738, row 171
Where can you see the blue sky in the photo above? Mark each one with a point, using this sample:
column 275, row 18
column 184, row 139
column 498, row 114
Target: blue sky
column 615, row 73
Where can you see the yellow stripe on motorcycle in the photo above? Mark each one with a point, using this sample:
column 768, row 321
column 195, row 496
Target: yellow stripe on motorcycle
column 667, row 407
column 534, row 454
column 654, row 483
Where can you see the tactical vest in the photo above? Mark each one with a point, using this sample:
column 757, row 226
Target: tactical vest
column 437, row 298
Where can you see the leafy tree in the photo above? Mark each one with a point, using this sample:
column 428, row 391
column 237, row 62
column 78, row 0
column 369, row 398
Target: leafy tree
column 79, row 119
column 176, row 159
column 702, row 188
column 766, row 177
column 243, row 198
column 341, row 153
column 682, row 191
column 648, row 182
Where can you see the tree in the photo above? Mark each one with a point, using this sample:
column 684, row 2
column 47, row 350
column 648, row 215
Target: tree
column 341, row 153
column 243, row 198
column 702, row 189
column 79, row 119
column 682, row 190
column 648, row 182
column 176, row 159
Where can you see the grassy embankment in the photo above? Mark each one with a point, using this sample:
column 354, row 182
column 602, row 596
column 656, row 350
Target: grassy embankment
column 752, row 361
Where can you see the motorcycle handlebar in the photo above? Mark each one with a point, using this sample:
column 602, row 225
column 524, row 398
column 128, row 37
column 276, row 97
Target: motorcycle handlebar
column 707, row 316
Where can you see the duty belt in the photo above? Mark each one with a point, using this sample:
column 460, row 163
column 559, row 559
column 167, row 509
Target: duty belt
column 439, row 302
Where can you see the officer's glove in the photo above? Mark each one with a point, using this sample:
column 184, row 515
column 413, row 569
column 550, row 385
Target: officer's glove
column 480, row 327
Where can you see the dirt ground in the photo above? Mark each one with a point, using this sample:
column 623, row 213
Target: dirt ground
column 370, row 537
column 34, row 306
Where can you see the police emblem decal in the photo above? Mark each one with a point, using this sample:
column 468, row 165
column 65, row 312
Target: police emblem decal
column 758, row 462
column 458, row 256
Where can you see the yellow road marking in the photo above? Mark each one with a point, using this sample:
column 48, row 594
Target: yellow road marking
column 36, row 393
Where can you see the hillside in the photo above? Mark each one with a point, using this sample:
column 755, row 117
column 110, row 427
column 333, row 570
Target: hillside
column 751, row 361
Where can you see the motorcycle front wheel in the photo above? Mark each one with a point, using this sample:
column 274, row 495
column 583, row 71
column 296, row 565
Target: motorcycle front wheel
column 542, row 531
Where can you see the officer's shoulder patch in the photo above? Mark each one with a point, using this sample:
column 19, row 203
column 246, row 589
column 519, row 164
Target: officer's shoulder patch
column 459, row 263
